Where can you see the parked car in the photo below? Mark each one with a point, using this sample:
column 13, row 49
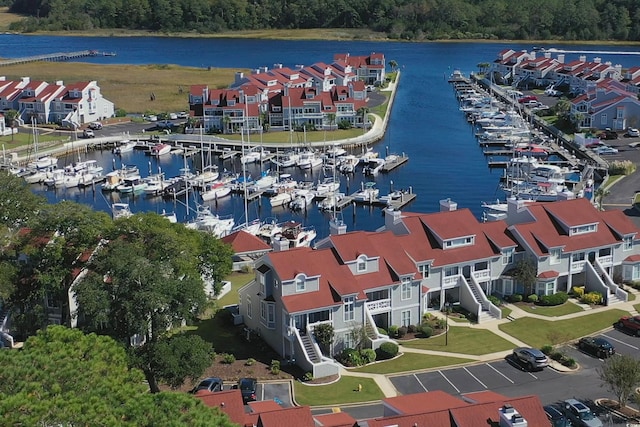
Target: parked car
column 629, row 323
column 556, row 416
column 552, row 92
column 595, row 144
column 596, row 346
column 608, row 134
column 632, row 132
column 532, row 358
column 88, row 133
column 95, row 125
column 527, row 98
column 248, row 388
column 173, row 116
column 211, row 384
column 183, row 115
column 605, row 149
column 580, row 414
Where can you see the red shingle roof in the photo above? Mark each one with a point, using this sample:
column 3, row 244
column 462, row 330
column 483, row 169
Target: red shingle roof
column 297, row 416
column 243, row 242
column 228, row 401
column 339, row 419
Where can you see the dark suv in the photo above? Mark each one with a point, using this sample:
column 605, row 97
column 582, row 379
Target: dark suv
column 598, row 347
column 247, row 387
column 530, row 358
column 556, row 416
column 608, row 134
column 630, row 323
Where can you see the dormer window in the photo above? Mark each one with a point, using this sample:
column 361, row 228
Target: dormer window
column 628, row 243
column 555, row 255
column 582, row 229
column 462, row 241
column 424, row 270
column 507, row 256
column 362, row 264
column 301, row 283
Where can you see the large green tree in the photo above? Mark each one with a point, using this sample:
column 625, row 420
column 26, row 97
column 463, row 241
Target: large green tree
column 621, row 375
column 147, row 279
column 18, row 205
column 63, row 377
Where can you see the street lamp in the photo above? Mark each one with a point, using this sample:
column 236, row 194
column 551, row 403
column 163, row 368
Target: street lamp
column 447, row 306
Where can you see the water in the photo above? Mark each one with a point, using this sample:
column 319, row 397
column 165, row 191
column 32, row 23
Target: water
column 445, row 159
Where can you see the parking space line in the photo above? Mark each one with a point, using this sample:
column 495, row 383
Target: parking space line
column 475, row 378
column 505, row 377
column 262, row 392
column 420, row 382
column 532, row 375
column 450, row 383
column 621, row 342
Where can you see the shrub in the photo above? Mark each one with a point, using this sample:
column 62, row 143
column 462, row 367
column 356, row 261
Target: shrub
column 569, row 362
column 275, row 367
column 547, row 349
column 621, row 167
column 350, row 357
column 393, row 331
column 578, row 291
column 532, row 298
column 556, row 355
column 228, row 358
column 412, row 329
column 308, row 376
column 441, row 323
column 592, row 298
column 382, row 331
column 402, row 331
column 250, row 361
column 388, row 350
column 368, row 355
column 555, row 299
column 514, row 298
column 494, row 300
column 426, row 331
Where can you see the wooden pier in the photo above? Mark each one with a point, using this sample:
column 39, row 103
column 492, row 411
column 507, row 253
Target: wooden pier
column 403, row 199
column 51, row 57
column 391, row 165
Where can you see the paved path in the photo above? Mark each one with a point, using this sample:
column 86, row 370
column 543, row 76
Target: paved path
column 389, row 390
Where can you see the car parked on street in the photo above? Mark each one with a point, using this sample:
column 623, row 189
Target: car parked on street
column 630, row 324
column 527, row 98
column 88, row 133
column 211, row 384
column 605, row 149
column 556, row 416
column 248, row 388
column 580, row 414
column 632, row 133
column 95, row 125
column 607, row 134
column 596, row 346
column 531, row 358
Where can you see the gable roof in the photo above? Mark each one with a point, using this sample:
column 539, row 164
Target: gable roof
column 297, row 416
column 243, row 242
column 337, row 419
column 228, row 401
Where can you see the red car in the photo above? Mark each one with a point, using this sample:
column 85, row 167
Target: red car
column 527, row 98
column 630, row 323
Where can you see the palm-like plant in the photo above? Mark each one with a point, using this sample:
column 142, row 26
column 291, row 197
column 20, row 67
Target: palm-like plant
column 332, row 120
column 599, row 196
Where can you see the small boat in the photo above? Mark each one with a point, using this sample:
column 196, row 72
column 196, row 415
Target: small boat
column 368, row 193
column 125, row 146
column 211, row 223
column 266, row 180
column 120, row 210
column 301, row 199
column 208, row 174
column 373, row 166
column 170, row 216
column 160, row 149
column 308, row 160
column 268, row 229
column 215, row 191
column 45, row 162
column 132, row 184
column 287, row 159
column 283, row 197
column 348, row 164
column 331, row 201
column 326, row 186
column 293, row 235
column 114, row 178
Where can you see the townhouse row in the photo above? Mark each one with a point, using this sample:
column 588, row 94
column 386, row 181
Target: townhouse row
column 421, row 262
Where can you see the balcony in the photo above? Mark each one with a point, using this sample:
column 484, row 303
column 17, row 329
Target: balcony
column 577, row 265
column 606, row 261
column 312, row 326
column 379, row 306
column 450, row 280
column 482, row 275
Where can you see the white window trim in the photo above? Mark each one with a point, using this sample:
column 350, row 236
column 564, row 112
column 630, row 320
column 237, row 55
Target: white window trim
column 349, row 309
column 627, row 244
column 555, row 256
column 405, row 289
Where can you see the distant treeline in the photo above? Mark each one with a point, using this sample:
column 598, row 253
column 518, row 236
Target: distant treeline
column 399, row 19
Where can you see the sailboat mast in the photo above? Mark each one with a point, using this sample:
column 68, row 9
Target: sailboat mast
column 244, row 164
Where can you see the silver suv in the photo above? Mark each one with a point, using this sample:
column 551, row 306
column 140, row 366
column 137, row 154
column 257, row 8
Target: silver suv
column 531, row 358
column 580, row 414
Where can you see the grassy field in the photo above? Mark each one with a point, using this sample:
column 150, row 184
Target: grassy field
column 411, row 362
column 341, row 392
column 463, row 340
column 130, row 86
column 558, row 310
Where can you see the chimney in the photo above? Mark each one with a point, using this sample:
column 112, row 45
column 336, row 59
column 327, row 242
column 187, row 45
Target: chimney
column 509, row 417
column 597, row 60
column 582, row 58
column 447, row 205
column 391, row 218
column 547, row 55
column 3, row 78
column 59, row 83
column 561, row 58
column 337, row 226
column 239, row 76
column 279, row 243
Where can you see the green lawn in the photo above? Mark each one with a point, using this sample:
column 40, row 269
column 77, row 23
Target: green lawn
column 237, row 280
column 410, row 362
column 538, row 332
column 343, row 391
column 506, row 311
column 463, row 340
column 555, row 311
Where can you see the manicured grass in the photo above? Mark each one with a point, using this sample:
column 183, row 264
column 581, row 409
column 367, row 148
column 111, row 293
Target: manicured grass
column 538, row 332
column 506, row 311
column 463, row 340
column 25, row 137
column 410, row 362
column 237, row 280
column 637, row 307
column 555, row 311
column 381, row 109
column 343, row 391
column 458, row 319
column 632, row 297
column 7, row 18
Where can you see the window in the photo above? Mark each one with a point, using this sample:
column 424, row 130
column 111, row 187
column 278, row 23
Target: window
column 424, row 270
column 349, row 309
column 52, row 301
column 362, row 264
column 249, row 307
column 481, row 266
column 450, row 271
column 579, row 256
column 628, row 243
column 507, row 286
column 635, row 272
column 348, row 341
column 406, row 289
column 555, row 255
column 507, row 256
column 263, row 310
column 603, row 119
column 271, row 315
column 319, row 316
column 406, row 317
column 263, row 287
column 300, row 284
column 463, row 241
column 590, row 228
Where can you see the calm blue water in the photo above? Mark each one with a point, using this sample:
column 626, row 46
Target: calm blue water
column 445, row 160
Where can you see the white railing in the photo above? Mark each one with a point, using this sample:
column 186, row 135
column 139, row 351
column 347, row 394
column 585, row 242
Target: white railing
column 577, row 265
column 606, row 260
column 379, row 305
column 484, row 301
column 450, row 280
column 481, row 274
column 609, row 283
column 312, row 326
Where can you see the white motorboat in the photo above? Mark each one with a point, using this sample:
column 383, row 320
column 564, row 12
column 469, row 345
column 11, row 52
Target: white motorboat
column 44, row 162
column 266, row 180
column 293, row 235
column 283, row 197
column 285, row 181
column 131, row 184
column 331, row 201
column 125, row 146
column 211, row 223
column 160, row 149
column 336, row 151
column 308, row 160
column 268, row 229
column 373, row 166
column 215, row 191
column 121, row 210
column 367, row 193
column 326, row 186
column 156, row 184
column 348, row 163
column 35, row 176
column 287, row 159
column 302, row 199
column 114, row 178
column 208, row 174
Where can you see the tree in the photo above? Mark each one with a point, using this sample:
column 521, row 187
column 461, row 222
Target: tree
column 358, row 335
column 63, row 377
column 146, row 279
column 11, row 116
column 483, row 67
column 526, row 272
column 324, row 334
column 621, row 374
column 363, row 112
column 332, row 119
column 393, row 64
column 18, row 205
column 599, row 195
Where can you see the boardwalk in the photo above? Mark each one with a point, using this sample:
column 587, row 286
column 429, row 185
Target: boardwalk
column 51, row 57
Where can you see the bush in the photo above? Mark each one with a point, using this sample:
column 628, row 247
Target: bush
column 514, row 298
column 368, row 355
column 621, row 167
column 533, row 298
column 558, row 298
column 494, row 300
column 228, row 358
column 402, row 331
column 578, row 291
column 592, row 298
column 393, row 331
column 350, row 357
column 412, row 329
column 426, row 331
column 382, row 331
column 388, row 350
column 569, row 362
column 441, row 323
column 250, row 361
column 275, row 367
column 547, row 349
column 308, row 376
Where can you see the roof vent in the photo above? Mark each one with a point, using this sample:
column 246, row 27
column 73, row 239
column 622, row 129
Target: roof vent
column 510, row 417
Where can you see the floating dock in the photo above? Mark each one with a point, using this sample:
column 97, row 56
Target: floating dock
column 391, row 165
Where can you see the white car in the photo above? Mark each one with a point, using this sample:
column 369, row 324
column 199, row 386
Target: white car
column 633, row 132
column 173, row 116
column 605, row 149
column 95, row 125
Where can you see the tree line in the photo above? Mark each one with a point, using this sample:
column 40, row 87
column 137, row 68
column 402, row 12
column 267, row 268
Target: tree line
column 568, row 20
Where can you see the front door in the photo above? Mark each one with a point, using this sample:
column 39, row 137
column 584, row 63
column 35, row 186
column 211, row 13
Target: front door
column 301, row 323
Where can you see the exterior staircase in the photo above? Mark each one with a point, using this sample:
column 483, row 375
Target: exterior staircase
column 485, row 313
column 309, row 348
